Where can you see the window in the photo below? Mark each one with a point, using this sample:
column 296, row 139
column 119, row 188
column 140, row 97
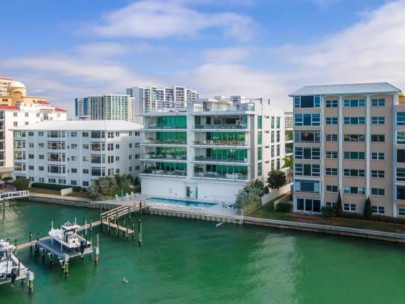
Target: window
column 331, row 103
column 307, row 119
column 349, row 207
column 354, row 155
column 41, row 145
column 400, row 174
column 354, row 120
column 401, row 192
column 354, row 103
column 117, row 146
column 259, row 122
column 73, row 146
column 85, row 147
column 330, row 171
column 85, row 184
column 331, row 137
column 307, row 136
column 307, row 101
column 377, row 156
column 400, row 118
column 74, row 170
column 73, row 182
column 378, row 209
column 85, row 171
column 41, row 133
column 401, row 156
column 354, row 172
column 85, row 134
column 378, row 102
column 331, row 154
column 331, row 120
column 308, row 205
column 378, row 120
column 41, row 168
column 73, row 158
column 41, row 156
column 400, row 137
column 378, row 191
column 306, row 153
column 354, row 190
column 354, row 137
column 401, row 211
column 73, row 134
column 308, row 186
column 307, row 170
column 30, row 167
column 15, row 124
column 330, row 188
column 378, row 173
column 377, row 138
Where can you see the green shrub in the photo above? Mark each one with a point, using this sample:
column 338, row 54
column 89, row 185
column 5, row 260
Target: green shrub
column 327, row 211
column 367, row 209
column 7, row 178
column 284, row 207
column 55, row 186
column 21, row 184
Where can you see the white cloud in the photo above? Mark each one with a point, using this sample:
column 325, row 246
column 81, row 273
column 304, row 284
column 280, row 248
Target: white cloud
column 226, row 55
column 101, row 49
column 162, row 19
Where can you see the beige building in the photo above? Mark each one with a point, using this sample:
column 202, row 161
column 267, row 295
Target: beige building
column 349, row 139
column 13, row 92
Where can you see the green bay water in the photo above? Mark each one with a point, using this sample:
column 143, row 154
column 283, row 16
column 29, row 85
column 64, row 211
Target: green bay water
column 188, row 261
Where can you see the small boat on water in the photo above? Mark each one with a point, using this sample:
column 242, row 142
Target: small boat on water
column 6, row 264
column 68, row 237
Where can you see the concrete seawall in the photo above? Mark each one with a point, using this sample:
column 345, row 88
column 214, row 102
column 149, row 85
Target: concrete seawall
column 205, row 215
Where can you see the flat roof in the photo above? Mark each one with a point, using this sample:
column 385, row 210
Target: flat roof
column 342, row 89
column 82, row 125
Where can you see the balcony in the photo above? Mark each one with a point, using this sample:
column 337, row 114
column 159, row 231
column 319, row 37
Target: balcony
column 220, row 126
column 164, row 157
column 229, row 159
column 166, row 142
column 221, row 143
column 171, row 173
column 217, row 175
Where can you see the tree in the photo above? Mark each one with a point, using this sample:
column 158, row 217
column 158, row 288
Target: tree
column 368, row 212
column 289, row 165
column 104, row 186
column 339, row 206
column 21, row 184
column 276, row 179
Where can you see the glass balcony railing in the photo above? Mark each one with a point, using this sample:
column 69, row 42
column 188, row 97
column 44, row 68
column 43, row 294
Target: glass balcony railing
column 165, row 142
column 164, row 157
column 217, row 175
column 221, row 126
column 221, row 142
column 229, row 159
column 164, row 172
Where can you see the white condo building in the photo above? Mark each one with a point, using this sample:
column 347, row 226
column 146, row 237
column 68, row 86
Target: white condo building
column 76, row 152
column 152, row 98
column 21, row 115
column 105, row 107
column 211, row 149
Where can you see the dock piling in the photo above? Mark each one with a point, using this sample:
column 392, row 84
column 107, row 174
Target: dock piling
column 30, row 238
column 30, row 282
column 66, row 269
column 140, row 232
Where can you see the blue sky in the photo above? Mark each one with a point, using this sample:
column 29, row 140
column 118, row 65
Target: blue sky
column 257, row 48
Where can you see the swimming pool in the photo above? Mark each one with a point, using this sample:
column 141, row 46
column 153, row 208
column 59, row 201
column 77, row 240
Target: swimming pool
column 180, row 202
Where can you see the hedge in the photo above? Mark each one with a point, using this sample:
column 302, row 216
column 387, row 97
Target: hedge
column 55, row 186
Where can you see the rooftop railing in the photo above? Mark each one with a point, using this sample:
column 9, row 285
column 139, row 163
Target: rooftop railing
column 217, row 175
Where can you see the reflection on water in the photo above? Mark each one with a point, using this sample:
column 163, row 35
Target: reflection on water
column 186, row 261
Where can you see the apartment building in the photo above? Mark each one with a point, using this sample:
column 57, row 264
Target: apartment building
column 152, row 98
column 349, row 139
column 211, row 149
column 21, row 115
column 105, row 107
column 76, row 152
column 13, row 92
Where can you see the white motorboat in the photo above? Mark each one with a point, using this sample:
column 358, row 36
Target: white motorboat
column 68, row 237
column 6, row 264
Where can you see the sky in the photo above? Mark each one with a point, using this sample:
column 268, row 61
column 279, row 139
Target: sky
column 256, row 48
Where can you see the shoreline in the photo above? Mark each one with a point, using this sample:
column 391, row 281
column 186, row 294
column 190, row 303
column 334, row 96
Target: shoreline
column 200, row 214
